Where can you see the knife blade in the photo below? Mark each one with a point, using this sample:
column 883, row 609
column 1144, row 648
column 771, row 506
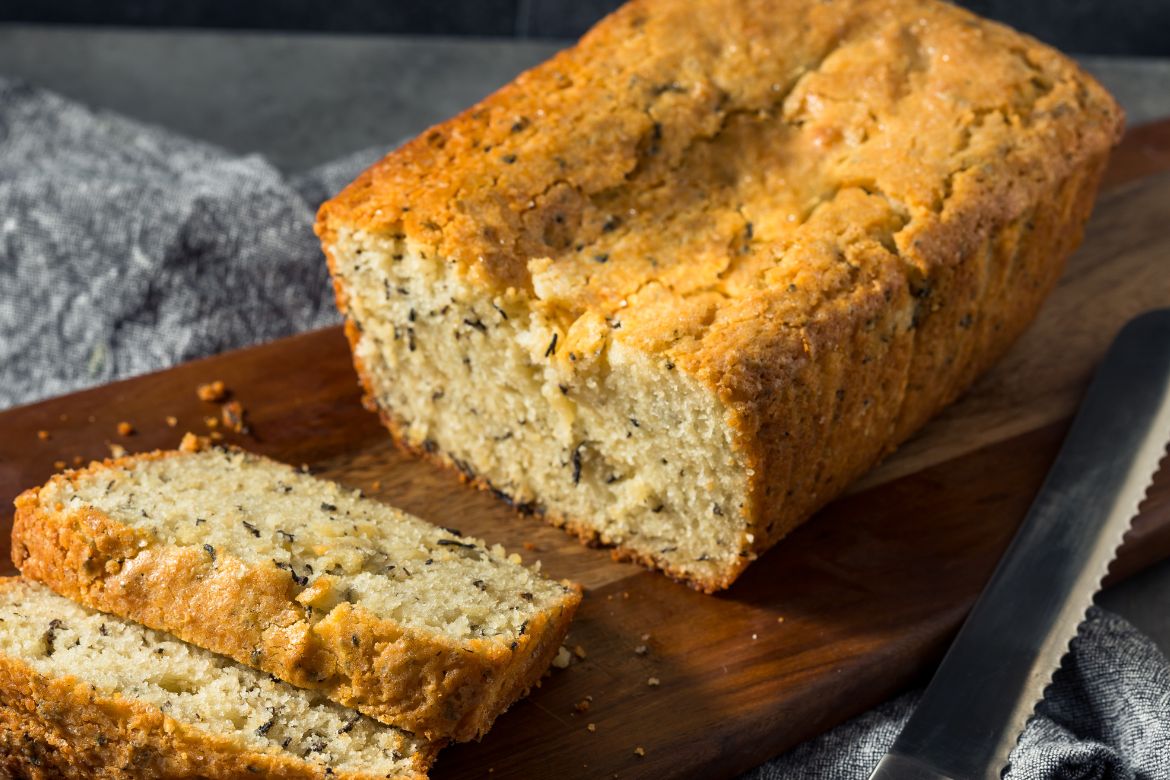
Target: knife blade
column 995, row 672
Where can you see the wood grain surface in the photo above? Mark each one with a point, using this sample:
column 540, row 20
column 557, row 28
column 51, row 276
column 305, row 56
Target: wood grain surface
column 853, row 607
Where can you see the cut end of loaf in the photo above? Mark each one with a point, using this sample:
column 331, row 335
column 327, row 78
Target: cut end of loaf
column 563, row 421
column 237, row 710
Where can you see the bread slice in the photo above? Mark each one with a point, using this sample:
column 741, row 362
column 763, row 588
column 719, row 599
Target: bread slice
column 87, row 695
column 679, row 285
column 414, row 625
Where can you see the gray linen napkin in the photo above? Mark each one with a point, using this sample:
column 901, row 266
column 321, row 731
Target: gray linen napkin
column 126, row 248
column 1105, row 717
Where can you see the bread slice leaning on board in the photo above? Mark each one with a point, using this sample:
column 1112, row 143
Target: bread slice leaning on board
column 86, row 695
column 414, row 625
column 676, row 287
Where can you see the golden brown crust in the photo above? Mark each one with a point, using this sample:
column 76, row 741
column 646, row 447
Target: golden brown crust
column 54, row 728
column 833, row 215
column 419, row 682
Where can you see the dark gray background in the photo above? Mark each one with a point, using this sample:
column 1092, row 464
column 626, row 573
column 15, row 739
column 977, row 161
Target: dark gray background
column 1134, row 27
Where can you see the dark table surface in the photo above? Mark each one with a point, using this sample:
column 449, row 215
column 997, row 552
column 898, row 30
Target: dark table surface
column 305, row 99
column 301, row 100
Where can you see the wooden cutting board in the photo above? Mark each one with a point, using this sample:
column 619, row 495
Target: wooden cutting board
column 852, row 608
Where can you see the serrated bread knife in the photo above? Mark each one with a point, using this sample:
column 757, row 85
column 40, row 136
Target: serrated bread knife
column 973, row 712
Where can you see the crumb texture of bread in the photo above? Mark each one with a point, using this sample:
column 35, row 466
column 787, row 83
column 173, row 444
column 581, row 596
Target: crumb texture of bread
column 415, row 625
column 89, row 695
column 679, row 285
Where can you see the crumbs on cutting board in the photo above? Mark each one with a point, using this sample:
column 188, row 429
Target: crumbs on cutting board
column 563, row 658
column 233, row 417
column 233, row 414
column 212, row 392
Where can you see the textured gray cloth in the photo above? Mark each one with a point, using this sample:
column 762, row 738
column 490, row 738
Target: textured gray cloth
column 1105, row 717
column 125, row 248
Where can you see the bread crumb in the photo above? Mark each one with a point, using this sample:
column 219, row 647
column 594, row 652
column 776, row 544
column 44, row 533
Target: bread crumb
column 211, row 422
column 78, row 460
column 625, row 594
column 233, row 417
column 563, row 658
column 172, row 421
column 653, row 682
column 213, row 392
column 58, row 464
column 530, row 547
column 779, row 620
column 215, row 436
column 645, row 637
column 641, row 650
column 375, row 486
column 639, row 751
column 117, row 450
column 583, row 705
column 43, row 435
column 592, row 727
column 754, row 636
column 192, row 443
column 579, row 651
column 125, row 429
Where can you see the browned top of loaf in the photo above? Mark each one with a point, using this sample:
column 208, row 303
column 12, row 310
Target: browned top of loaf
column 698, row 171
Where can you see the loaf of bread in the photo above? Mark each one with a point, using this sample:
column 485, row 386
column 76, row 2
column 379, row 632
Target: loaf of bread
column 85, row 695
column 411, row 624
column 676, row 287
